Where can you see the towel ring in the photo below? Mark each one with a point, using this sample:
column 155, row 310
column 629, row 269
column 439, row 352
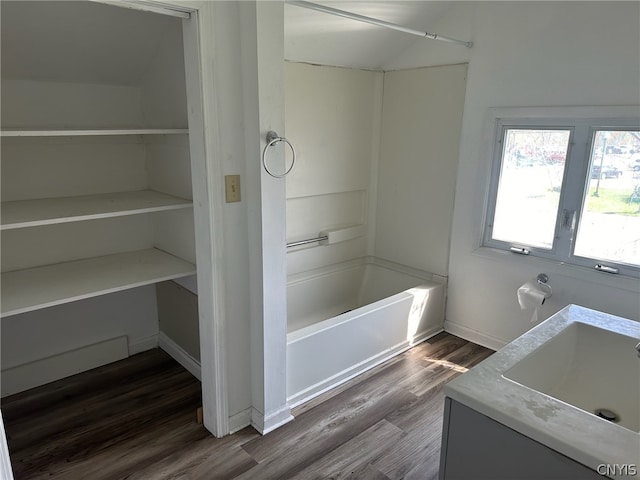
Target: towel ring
column 272, row 139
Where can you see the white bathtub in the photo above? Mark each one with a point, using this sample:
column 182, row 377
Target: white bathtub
column 347, row 318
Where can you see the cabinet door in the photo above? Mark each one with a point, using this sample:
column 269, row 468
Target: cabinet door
column 477, row 447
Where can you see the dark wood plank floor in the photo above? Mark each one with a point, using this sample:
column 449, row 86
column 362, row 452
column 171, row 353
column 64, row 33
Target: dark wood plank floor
column 135, row 419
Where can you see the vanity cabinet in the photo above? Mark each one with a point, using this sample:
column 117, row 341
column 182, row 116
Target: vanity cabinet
column 477, row 447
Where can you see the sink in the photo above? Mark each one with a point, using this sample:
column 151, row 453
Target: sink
column 548, row 383
column 588, row 367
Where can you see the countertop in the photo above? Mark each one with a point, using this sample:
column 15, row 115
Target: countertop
column 569, row 430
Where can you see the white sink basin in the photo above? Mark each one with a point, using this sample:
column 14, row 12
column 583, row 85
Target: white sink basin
column 588, row 367
column 548, row 383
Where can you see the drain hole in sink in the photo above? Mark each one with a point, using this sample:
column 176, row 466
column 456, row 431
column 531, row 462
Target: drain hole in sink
column 607, row 414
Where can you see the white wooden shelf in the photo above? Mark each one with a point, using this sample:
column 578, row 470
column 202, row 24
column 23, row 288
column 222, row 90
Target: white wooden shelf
column 48, row 211
column 35, row 288
column 105, row 131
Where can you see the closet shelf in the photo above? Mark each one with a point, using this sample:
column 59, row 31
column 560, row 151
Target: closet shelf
column 35, row 288
column 105, row 131
column 48, row 211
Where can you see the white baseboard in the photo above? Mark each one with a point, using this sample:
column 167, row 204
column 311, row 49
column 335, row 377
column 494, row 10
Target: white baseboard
column 256, row 419
column 355, row 370
column 143, row 344
column 179, row 355
column 49, row 369
column 265, row 424
column 239, row 420
column 474, row 336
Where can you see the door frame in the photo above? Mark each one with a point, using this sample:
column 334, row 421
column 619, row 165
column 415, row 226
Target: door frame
column 206, row 172
column 5, row 462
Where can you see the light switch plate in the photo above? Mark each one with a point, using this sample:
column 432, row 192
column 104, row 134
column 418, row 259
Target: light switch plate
column 232, row 188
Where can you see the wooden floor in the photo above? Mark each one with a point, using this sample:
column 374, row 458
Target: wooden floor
column 135, row 419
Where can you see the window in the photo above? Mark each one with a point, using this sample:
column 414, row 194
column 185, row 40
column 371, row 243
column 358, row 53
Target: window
column 567, row 189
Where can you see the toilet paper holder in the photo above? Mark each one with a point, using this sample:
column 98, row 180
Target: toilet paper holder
column 543, row 280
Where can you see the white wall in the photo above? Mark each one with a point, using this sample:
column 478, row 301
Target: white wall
column 263, row 93
column 531, row 54
column 43, row 333
column 332, row 119
column 241, row 46
column 168, row 169
column 69, row 166
column 421, row 122
column 163, row 89
column 34, row 104
column 178, row 317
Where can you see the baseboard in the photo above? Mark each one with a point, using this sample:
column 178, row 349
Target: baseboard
column 239, row 420
column 474, row 336
column 49, row 369
column 179, row 355
column 355, row 370
column 265, row 424
column 143, row 344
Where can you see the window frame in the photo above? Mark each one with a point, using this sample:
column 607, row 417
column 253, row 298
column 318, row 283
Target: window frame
column 583, row 123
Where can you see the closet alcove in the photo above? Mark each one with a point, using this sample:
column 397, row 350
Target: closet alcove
column 97, row 223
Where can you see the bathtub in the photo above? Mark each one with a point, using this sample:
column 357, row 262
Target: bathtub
column 347, row 318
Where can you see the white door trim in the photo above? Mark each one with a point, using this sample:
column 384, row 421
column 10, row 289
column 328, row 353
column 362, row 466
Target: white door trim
column 206, row 173
column 5, row 463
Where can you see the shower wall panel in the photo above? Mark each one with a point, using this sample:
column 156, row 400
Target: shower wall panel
column 333, row 120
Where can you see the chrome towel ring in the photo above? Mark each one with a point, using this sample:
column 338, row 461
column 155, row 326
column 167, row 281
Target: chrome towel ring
column 272, row 139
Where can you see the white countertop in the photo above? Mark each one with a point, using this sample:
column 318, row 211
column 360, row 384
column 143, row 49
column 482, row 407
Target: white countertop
column 569, row 430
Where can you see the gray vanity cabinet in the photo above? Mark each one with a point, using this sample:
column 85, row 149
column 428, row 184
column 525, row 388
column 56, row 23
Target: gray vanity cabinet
column 476, row 447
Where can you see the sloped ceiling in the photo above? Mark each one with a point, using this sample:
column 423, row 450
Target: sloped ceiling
column 84, row 42
column 317, row 37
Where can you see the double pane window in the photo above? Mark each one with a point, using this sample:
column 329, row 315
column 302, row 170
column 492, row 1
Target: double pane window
column 568, row 190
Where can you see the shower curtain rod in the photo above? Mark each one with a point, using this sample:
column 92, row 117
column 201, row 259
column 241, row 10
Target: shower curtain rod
column 375, row 21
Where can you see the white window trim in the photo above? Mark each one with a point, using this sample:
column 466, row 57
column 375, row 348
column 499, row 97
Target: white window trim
column 552, row 117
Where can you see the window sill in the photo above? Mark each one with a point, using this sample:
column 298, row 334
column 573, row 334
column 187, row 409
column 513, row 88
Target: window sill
column 617, row 281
